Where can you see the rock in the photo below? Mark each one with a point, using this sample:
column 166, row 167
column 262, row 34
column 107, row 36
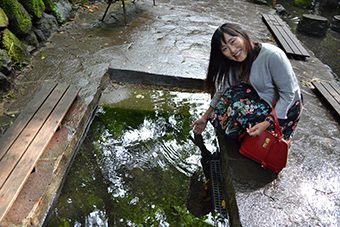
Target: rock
column 44, row 27
column 5, row 63
column 32, row 41
column 280, row 9
column 14, row 47
column 20, row 20
column 61, row 9
column 64, row 9
column 329, row 4
column 50, row 6
column 313, row 25
column 335, row 24
column 3, row 19
column 4, row 82
column 35, row 7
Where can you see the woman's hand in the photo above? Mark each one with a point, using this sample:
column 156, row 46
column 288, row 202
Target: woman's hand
column 257, row 129
column 199, row 125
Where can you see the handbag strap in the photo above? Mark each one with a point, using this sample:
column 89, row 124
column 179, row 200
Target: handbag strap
column 277, row 128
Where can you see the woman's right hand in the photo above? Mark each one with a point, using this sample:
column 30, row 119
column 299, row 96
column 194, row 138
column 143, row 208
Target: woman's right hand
column 199, row 125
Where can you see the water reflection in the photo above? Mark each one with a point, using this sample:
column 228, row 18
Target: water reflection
column 135, row 164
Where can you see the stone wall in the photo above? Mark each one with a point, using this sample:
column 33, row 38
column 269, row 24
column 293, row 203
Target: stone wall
column 24, row 25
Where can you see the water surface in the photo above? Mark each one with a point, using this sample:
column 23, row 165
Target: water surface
column 135, row 164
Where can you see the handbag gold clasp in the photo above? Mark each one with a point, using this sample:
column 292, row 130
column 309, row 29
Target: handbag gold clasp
column 266, row 142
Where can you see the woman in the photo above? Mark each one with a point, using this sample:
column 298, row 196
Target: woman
column 245, row 78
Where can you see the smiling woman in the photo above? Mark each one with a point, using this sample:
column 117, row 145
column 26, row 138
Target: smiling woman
column 245, row 78
column 233, row 47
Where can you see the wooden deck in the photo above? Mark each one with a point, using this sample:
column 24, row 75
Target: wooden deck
column 284, row 36
column 24, row 142
column 330, row 91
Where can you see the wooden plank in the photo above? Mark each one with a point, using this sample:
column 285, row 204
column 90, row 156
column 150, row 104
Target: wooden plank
column 277, row 34
column 324, row 88
column 26, row 115
column 289, row 42
column 273, row 27
column 336, row 89
column 284, row 31
column 302, row 51
column 289, row 37
column 15, row 182
column 293, row 39
column 330, row 89
column 19, row 147
column 286, row 35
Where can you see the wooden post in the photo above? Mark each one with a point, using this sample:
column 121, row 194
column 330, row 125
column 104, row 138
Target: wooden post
column 273, row 3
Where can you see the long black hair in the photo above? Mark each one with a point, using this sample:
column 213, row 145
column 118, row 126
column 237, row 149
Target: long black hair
column 220, row 67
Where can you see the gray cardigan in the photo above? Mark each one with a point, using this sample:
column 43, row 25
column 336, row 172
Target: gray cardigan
column 271, row 73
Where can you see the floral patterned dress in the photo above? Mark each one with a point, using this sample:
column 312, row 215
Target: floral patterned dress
column 241, row 106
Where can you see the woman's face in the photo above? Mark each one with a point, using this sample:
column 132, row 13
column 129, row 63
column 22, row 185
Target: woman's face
column 234, row 48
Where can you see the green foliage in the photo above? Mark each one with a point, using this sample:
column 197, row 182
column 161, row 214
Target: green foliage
column 35, row 7
column 303, row 3
column 3, row 19
column 20, row 20
column 15, row 49
column 64, row 223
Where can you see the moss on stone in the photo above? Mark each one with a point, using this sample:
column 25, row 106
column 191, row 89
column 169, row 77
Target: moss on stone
column 35, row 7
column 51, row 7
column 3, row 19
column 19, row 19
column 14, row 47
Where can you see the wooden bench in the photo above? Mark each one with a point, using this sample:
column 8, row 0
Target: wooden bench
column 24, row 142
column 330, row 91
column 282, row 33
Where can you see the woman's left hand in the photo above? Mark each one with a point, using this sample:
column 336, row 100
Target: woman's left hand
column 257, row 129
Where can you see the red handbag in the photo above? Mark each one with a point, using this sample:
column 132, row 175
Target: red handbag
column 269, row 149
